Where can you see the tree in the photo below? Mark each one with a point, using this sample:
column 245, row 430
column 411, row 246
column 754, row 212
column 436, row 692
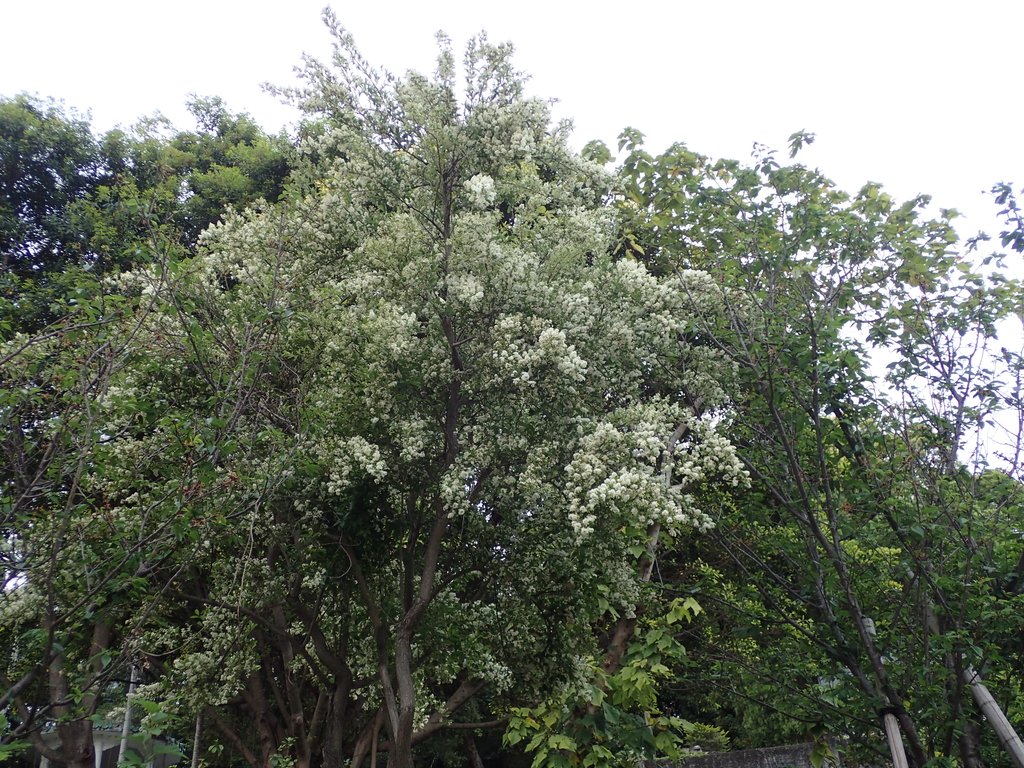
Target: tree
column 178, row 181
column 860, row 493
column 48, row 160
column 81, row 583
column 74, row 206
column 377, row 445
column 78, row 580
column 439, row 422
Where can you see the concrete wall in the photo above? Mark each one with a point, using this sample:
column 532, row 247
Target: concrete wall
column 789, row 756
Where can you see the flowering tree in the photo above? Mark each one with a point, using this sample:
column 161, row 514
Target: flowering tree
column 871, row 568
column 83, row 571
column 434, row 429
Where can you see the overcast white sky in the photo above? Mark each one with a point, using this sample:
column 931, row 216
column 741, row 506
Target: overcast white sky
column 921, row 96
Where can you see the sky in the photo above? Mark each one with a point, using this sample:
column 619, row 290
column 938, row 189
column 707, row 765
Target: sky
column 923, row 97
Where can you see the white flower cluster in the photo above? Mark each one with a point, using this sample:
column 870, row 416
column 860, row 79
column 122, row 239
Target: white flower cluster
column 611, row 473
column 115, row 394
column 455, row 488
column 702, row 292
column 392, row 327
column 509, row 133
column 633, row 474
column 465, row 289
column 481, row 190
column 138, row 282
column 21, row 603
column 469, row 627
column 313, row 578
column 709, row 454
column 497, row 674
column 580, row 677
column 370, row 351
column 349, row 458
column 215, row 672
column 413, row 436
column 522, row 361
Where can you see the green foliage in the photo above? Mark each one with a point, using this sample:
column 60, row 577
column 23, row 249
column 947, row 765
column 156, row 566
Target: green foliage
column 391, row 431
column 9, row 751
column 707, row 738
column 74, row 207
column 798, row 141
column 1013, row 236
column 47, row 160
column 861, row 504
column 612, row 718
column 84, row 576
column 370, row 453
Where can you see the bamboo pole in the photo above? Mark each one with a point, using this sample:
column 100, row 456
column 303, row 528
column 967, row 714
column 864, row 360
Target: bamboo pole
column 890, row 722
column 126, row 725
column 1008, row 738
column 892, row 735
column 195, row 739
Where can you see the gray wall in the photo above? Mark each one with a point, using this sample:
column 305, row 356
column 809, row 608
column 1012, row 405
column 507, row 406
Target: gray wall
column 790, row 756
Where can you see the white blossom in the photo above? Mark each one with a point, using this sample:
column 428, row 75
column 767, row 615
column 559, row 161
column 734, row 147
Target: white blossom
column 481, row 190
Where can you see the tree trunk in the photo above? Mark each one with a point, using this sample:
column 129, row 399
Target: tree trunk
column 74, row 730
column 400, row 754
column 334, row 736
column 970, row 746
column 233, row 738
column 472, row 753
column 195, row 739
column 366, row 744
column 76, row 744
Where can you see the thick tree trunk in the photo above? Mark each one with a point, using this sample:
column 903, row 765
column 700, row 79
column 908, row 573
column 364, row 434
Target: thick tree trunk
column 76, row 744
column 334, row 733
column 269, row 734
column 400, row 754
column 74, row 730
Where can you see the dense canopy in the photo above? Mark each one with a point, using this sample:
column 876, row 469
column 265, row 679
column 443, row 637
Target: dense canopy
column 420, row 434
